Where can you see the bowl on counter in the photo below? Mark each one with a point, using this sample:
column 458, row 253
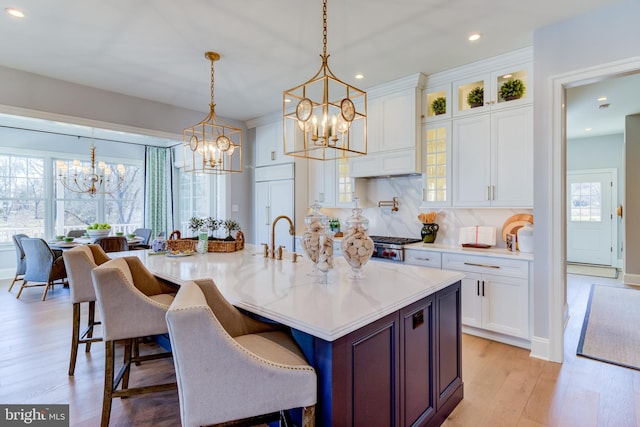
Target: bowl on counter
column 69, row 239
column 96, row 234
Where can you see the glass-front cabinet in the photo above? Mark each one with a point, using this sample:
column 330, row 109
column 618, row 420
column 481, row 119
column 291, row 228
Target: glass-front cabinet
column 504, row 88
column 437, row 164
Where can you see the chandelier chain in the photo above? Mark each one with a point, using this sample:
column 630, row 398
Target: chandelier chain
column 324, row 28
column 212, row 82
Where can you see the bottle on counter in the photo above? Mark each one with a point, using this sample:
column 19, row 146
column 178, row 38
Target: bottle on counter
column 357, row 246
column 317, row 242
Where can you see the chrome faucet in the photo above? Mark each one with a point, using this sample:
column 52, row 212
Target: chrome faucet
column 292, row 231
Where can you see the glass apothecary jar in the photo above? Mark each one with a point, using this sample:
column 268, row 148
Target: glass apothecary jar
column 317, row 241
column 357, row 246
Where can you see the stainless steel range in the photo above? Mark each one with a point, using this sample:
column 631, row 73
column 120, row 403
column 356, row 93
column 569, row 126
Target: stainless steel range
column 391, row 248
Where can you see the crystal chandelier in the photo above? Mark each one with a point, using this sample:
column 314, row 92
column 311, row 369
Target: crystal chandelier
column 212, row 146
column 90, row 179
column 325, row 118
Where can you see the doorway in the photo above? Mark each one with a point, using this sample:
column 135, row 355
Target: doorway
column 591, row 226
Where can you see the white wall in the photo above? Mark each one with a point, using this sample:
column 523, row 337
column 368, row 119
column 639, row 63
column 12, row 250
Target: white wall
column 590, row 40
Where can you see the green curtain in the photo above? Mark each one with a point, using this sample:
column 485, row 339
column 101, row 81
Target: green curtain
column 158, row 206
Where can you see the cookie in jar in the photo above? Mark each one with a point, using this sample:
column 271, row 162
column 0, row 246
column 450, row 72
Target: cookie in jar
column 357, row 246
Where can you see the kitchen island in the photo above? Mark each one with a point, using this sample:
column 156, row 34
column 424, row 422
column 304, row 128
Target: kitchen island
column 386, row 348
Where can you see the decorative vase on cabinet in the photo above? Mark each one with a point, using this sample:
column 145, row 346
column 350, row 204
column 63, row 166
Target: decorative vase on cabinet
column 429, row 232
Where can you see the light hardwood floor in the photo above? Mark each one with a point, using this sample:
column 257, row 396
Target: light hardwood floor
column 503, row 385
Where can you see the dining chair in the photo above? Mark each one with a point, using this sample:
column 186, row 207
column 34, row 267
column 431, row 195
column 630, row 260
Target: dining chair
column 113, row 243
column 44, row 267
column 21, row 263
column 145, row 233
column 133, row 304
column 79, row 261
column 76, row 233
column 249, row 371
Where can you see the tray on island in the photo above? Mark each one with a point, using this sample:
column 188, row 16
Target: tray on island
column 175, row 243
column 475, row 245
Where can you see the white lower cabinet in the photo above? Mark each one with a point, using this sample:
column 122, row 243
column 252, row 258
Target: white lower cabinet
column 431, row 259
column 495, row 295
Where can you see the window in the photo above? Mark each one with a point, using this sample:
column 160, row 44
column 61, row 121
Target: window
column 199, row 196
column 22, row 197
column 586, row 203
column 123, row 209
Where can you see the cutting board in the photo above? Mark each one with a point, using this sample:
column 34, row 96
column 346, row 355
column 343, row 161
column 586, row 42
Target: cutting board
column 514, row 223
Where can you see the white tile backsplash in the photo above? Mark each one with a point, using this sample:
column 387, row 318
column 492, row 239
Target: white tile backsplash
column 405, row 223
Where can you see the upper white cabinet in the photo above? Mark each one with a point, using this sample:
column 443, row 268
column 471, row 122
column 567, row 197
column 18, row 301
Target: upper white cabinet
column 490, row 84
column 331, row 185
column 493, row 159
column 393, row 130
column 270, row 145
column 491, row 145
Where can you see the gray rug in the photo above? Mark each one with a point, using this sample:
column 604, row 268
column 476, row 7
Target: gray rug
column 610, row 331
column 592, row 270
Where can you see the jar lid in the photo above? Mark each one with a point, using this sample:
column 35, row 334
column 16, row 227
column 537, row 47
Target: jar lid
column 357, row 219
column 316, row 216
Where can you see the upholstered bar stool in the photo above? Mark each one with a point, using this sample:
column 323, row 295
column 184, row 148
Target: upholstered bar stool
column 133, row 304
column 79, row 261
column 232, row 369
column 21, row 262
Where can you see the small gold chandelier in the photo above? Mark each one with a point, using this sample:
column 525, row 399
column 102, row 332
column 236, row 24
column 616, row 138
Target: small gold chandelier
column 325, row 118
column 90, row 179
column 212, row 146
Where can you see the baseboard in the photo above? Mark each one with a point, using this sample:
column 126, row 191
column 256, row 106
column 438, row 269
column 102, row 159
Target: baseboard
column 631, row 279
column 540, row 348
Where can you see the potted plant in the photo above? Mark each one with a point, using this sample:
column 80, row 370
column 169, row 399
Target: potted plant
column 475, row 98
column 213, row 224
column 230, row 225
column 195, row 224
column 511, row 89
column 439, row 105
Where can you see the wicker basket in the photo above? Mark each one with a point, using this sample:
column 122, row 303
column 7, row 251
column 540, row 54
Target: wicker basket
column 175, row 243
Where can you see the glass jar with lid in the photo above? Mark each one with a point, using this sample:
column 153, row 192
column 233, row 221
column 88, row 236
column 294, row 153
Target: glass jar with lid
column 357, row 246
column 317, row 241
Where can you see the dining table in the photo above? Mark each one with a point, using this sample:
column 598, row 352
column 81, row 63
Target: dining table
column 62, row 245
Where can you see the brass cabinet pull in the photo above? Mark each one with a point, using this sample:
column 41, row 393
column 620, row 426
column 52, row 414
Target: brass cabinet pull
column 481, row 265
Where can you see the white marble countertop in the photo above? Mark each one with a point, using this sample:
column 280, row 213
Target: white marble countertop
column 490, row 252
column 283, row 291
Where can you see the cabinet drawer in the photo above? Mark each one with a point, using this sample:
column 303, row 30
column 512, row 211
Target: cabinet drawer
column 486, row 265
column 424, row 258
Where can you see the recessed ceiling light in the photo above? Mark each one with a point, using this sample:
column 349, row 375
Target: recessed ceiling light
column 14, row 12
column 588, row 129
column 474, row 37
column 507, row 76
column 602, row 98
column 359, row 76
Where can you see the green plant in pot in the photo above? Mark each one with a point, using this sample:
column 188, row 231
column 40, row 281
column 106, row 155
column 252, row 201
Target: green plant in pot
column 229, row 226
column 439, row 105
column 475, row 98
column 511, row 89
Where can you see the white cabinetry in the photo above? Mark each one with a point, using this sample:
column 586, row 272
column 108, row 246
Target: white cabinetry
column 491, row 82
column 270, row 145
column 493, row 159
column 331, row 185
column 274, row 189
column 393, row 136
column 437, row 164
column 424, row 258
column 495, row 295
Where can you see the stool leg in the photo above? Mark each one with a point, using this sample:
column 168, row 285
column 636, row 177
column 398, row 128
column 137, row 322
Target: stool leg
column 75, row 337
column 309, row 416
column 90, row 323
column 109, row 349
column 127, row 364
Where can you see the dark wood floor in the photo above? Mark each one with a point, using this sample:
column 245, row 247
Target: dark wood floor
column 503, row 385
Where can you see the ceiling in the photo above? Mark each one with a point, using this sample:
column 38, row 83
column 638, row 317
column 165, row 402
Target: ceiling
column 155, row 50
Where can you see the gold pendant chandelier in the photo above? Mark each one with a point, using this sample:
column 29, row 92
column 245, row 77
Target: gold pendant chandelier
column 212, row 146
column 90, row 179
column 325, row 118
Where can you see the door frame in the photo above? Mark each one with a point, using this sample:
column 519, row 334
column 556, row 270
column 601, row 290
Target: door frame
column 555, row 249
column 614, row 261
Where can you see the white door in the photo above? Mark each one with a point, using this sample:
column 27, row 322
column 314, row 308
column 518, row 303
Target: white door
column 590, row 222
